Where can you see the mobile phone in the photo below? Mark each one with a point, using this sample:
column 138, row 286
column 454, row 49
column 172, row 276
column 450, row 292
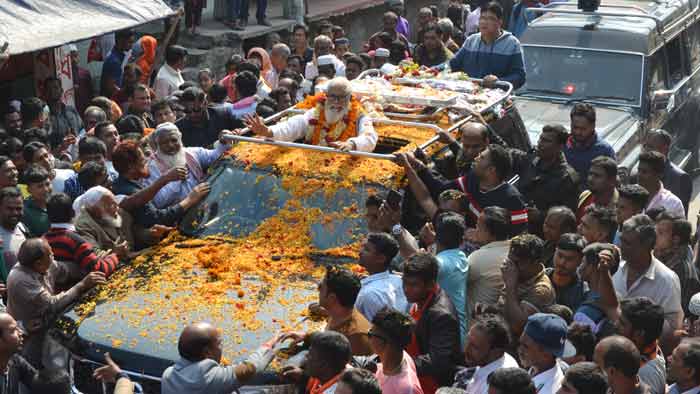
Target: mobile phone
column 394, row 198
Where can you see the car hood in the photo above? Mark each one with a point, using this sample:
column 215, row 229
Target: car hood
column 614, row 125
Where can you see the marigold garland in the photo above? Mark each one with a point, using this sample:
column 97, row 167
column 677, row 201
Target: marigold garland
column 341, row 130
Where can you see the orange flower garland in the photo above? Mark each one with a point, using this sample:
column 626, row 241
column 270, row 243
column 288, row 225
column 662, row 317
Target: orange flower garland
column 334, row 132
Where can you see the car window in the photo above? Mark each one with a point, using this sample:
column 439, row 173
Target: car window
column 693, row 34
column 677, row 62
column 657, row 72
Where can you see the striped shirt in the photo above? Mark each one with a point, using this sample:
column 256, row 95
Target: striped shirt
column 69, row 246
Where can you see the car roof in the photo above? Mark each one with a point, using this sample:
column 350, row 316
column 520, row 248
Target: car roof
column 637, row 31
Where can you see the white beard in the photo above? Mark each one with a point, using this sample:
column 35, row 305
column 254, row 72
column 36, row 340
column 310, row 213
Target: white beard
column 112, row 221
column 177, row 160
column 332, row 116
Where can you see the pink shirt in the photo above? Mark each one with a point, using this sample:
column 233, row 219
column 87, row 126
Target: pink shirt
column 405, row 382
column 227, row 82
column 667, row 200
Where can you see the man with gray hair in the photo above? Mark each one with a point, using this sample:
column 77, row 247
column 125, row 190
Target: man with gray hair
column 278, row 57
column 446, row 28
column 170, row 153
column 100, row 222
column 643, row 275
column 323, row 45
column 337, row 112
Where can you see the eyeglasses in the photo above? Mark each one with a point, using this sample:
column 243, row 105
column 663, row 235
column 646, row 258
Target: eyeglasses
column 337, row 98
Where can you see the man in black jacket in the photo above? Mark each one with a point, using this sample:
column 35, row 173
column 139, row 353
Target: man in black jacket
column 546, row 179
column 435, row 346
column 674, row 179
column 203, row 123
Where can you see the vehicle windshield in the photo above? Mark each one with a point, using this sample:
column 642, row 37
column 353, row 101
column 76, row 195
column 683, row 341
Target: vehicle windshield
column 580, row 74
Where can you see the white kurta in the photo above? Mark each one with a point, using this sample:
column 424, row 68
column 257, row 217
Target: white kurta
column 297, row 126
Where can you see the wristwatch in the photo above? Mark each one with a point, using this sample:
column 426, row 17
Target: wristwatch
column 397, row 230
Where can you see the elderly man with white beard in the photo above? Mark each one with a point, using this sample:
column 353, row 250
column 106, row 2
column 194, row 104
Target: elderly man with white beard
column 170, row 153
column 102, row 223
column 337, row 120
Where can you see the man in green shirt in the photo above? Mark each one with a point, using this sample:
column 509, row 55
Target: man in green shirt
column 39, row 185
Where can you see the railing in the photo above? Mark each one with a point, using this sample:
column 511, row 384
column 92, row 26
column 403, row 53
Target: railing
column 508, row 87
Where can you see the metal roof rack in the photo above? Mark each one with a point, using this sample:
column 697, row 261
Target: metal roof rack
column 506, row 86
column 552, row 8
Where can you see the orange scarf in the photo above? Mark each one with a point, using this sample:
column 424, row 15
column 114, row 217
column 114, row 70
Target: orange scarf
column 427, row 382
column 314, row 385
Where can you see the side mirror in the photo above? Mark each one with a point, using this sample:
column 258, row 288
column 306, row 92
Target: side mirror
column 662, row 100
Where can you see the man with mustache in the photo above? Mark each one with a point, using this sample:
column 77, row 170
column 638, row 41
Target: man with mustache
column 101, row 223
column 335, row 112
column 170, row 153
column 131, row 164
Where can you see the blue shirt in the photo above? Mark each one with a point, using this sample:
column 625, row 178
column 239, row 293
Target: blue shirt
column 112, row 67
column 518, row 21
column 502, row 58
column 579, row 156
column 383, row 289
column 452, row 278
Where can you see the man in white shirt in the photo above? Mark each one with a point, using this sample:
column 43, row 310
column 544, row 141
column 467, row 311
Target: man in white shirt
column 485, row 282
column 642, row 275
column 685, row 367
column 485, row 352
column 323, row 46
column 542, row 342
column 381, row 288
column 170, row 153
column 169, row 76
column 652, row 165
column 278, row 57
column 337, row 108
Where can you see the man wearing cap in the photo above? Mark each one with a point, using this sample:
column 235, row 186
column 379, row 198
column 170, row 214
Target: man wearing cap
column 326, row 66
column 170, row 153
column 337, row 110
column 342, row 46
column 542, row 342
column 381, row 57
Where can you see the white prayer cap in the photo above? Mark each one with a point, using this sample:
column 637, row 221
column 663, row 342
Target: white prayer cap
column 388, row 68
column 694, row 305
column 325, row 60
column 165, row 129
column 381, row 52
column 90, row 198
column 72, row 48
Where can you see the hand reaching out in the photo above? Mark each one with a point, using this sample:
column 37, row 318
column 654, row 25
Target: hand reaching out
column 256, row 124
column 109, row 372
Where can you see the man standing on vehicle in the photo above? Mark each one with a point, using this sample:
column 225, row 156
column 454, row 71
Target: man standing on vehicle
column 493, row 53
column 584, row 144
column 345, row 128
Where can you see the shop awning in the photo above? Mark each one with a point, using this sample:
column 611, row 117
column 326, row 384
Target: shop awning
column 31, row 25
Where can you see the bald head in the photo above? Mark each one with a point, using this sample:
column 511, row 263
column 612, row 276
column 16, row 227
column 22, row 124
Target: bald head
column 620, row 353
column 196, row 341
column 6, row 320
column 475, row 138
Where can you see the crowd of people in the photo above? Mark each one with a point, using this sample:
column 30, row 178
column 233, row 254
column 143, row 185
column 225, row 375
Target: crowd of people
column 568, row 280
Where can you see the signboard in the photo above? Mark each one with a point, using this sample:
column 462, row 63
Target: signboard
column 54, row 63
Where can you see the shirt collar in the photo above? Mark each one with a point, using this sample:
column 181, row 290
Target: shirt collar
column 375, row 277
column 675, row 389
column 170, row 69
column 495, row 244
column 64, row 226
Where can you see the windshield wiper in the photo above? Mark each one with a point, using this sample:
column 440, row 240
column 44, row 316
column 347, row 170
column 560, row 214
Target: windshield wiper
column 550, row 91
column 593, row 98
